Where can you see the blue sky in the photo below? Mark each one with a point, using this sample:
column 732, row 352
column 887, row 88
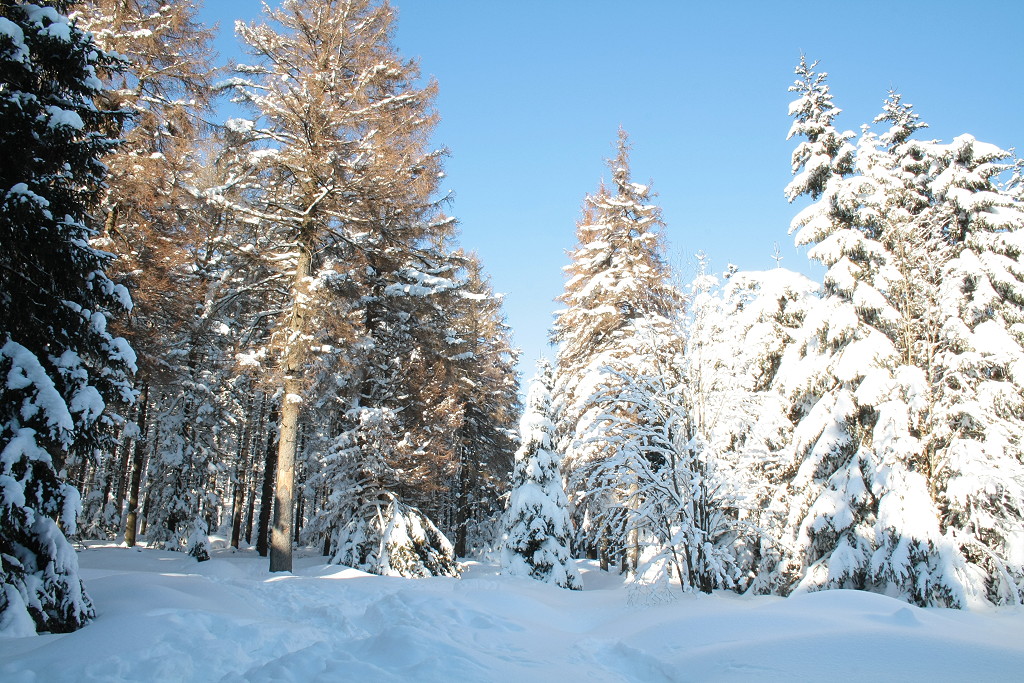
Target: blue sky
column 532, row 93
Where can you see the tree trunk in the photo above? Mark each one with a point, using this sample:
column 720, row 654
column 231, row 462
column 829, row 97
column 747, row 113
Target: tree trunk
column 462, row 506
column 138, row 460
column 266, row 499
column 107, row 471
column 291, row 408
column 631, row 558
column 252, row 478
column 124, row 471
column 251, row 510
column 241, row 470
column 284, row 495
column 281, row 539
column 237, row 507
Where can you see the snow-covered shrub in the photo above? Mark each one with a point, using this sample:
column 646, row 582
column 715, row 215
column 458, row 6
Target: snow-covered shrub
column 391, row 538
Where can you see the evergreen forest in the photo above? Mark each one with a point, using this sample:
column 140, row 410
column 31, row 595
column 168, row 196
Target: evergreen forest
column 263, row 329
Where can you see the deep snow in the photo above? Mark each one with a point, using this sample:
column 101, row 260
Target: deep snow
column 162, row 616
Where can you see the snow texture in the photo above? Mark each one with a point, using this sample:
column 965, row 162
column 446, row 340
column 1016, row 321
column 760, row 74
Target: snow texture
column 163, row 616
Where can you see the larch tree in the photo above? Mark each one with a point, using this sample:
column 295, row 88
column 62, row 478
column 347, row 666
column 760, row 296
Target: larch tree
column 343, row 132
column 61, row 367
column 153, row 219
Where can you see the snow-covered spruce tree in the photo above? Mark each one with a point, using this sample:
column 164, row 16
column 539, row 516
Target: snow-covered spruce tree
column 347, row 195
column 826, row 440
column 973, row 457
column 538, row 531
column 617, row 278
column 397, row 540
column 912, row 559
column 903, row 403
column 60, row 366
column 826, row 153
column 956, row 279
column 364, row 522
column 860, row 516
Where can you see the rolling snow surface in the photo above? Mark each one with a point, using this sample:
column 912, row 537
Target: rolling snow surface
column 162, row 616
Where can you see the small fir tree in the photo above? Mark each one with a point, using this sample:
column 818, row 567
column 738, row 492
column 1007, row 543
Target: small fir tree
column 538, row 530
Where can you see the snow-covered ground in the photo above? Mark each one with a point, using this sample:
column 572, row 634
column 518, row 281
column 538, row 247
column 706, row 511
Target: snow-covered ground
column 164, row 617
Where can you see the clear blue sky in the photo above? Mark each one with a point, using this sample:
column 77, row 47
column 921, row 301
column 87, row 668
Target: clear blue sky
column 532, row 93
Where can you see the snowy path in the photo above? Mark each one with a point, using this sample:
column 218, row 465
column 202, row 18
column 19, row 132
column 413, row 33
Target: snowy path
column 164, row 617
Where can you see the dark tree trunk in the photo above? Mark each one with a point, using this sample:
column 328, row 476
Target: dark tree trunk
column 138, row 461
column 108, row 489
column 124, row 468
column 462, row 503
column 298, row 515
column 250, row 510
column 241, row 471
column 252, row 477
column 237, row 508
column 267, row 497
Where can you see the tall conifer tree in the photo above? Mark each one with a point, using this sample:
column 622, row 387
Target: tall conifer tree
column 618, row 283
column 348, row 181
column 902, row 378
column 61, row 368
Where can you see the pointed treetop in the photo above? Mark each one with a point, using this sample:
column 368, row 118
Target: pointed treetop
column 904, row 121
column 544, row 370
column 621, row 173
column 826, row 153
column 813, row 110
column 620, row 165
